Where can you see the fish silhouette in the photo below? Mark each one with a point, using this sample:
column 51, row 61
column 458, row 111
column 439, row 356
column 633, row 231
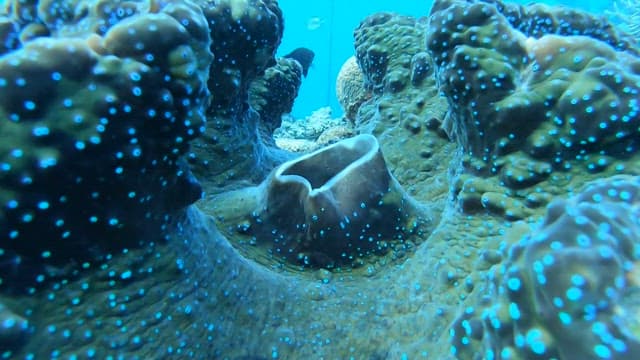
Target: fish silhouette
column 304, row 56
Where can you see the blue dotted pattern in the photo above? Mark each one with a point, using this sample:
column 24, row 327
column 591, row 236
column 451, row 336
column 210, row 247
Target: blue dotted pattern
column 95, row 129
column 563, row 286
column 556, row 97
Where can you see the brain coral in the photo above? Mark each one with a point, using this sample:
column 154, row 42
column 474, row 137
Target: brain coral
column 568, row 289
column 551, row 82
column 93, row 131
column 385, row 44
column 350, row 88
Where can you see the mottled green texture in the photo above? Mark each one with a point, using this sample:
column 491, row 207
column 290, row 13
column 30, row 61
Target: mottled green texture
column 93, row 133
column 14, row 329
column 534, row 91
column 552, row 96
column 566, row 289
column 383, row 42
column 404, row 102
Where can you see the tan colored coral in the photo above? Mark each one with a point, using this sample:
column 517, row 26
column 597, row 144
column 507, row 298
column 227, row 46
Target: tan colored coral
column 350, row 88
column 334, row 134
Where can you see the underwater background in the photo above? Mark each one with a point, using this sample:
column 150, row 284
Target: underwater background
column 262, row 179
column 327, row 27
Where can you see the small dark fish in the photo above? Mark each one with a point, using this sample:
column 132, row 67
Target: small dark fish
column 304, row 56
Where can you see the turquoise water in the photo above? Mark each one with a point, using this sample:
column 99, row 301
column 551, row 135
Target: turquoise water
column 332, row 41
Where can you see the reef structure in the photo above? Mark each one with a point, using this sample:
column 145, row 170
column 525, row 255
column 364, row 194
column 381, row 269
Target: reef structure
column 531, row 79
column 567, row 289
column 272, row 95
column 237, row 145
column 484, row 281
column 543, row 99
column 535, row 92
column 350, row 89
column 90, row 104
column 402, row 101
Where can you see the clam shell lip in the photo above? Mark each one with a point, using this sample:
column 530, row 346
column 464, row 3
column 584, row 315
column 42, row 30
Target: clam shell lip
column 320, row 170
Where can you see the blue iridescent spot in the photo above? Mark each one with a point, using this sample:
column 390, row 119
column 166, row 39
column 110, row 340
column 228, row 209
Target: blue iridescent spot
column 565, row 318
column 578, row 280
column 534, row 339
column 574, row 294
column 602, row 351
column 514, row 311
column 47, row 162
column 583, row 240
column 40, row 131
column 29, row 105
column 17, row 153
column 619, row 345
column 514, row 284
column 625, row 195
column 556, row 245
column 558, row 302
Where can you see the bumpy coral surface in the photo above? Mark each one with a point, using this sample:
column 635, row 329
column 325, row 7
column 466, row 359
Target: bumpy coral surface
column 404, row 102
column 552, row 83
column 350, row 89
column 536, row 93
column 564, row 286
column 245, row 34
column 82, row 117
column 496, row 274
column 272, row 95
